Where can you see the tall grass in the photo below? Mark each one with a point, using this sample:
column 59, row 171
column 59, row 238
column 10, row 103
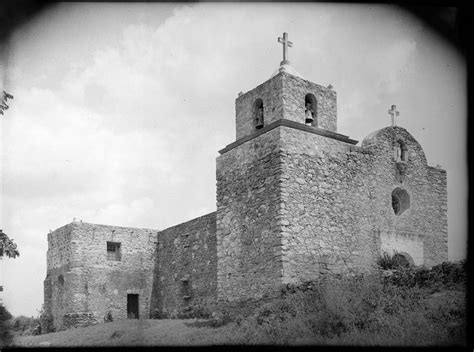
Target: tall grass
column 23, row 325
column 367, row 310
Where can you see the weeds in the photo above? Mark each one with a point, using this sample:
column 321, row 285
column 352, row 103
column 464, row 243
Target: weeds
column 398, row 310
column 394, row 261
column 22, row 325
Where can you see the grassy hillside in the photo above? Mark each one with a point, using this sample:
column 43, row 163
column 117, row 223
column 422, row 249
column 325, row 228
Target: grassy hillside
column 127, row 332
column 393, row 307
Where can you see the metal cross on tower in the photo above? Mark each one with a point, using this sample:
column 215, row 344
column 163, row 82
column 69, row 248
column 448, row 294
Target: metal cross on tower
column 393, row 112
column 286, row 43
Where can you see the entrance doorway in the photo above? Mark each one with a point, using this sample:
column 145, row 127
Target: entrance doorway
column 132, row 306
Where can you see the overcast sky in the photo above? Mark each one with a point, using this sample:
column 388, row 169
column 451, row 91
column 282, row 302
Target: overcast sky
column 119, row 109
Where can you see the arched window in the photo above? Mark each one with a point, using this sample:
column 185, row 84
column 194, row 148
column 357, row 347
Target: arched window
column 258, row 113
column 61, row 280
column 400, row 151
column 400, row 201
column 310, row 109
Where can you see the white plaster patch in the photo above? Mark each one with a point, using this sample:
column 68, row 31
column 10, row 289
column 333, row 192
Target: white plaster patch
column 403, row 242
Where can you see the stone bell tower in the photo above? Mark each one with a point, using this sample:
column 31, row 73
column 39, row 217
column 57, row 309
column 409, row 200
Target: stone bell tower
column 285, row 96
column 252, row 214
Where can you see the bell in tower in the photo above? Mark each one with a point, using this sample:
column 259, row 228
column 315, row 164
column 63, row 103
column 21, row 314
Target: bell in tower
column 286, row 97
column 259, row 114
column 308, row 114
column 259, row 122
column 310, row 108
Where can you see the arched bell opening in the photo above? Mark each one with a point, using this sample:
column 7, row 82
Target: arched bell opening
column 258, row 114
column 310, row 109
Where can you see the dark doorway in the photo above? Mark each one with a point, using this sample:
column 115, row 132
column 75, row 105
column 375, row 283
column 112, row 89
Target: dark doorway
column 132, row 306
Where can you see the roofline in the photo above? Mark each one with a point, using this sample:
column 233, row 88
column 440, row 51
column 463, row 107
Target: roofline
column 290, row 124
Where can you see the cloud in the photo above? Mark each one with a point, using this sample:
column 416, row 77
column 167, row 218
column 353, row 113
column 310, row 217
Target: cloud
column 393, row 64
column 20, row 295
column 375, row 79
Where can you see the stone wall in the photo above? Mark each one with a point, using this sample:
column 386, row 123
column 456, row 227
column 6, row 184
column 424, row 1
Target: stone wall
column 59, row 247
column 271, row 93
column 405, row 243
column 103, row 284
column 337, row 204
column 294, row 92
column 327, row 207
column 284, row 98
column 185, row 276
column 248, row 225
column 93, row 284
column 292, row 205
column 427, row 215
column 436, row 242
column 56, row 284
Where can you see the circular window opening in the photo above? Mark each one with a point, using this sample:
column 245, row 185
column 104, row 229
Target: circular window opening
column 400, row 201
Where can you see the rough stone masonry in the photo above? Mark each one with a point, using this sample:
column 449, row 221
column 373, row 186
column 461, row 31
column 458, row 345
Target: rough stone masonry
column 295, row 200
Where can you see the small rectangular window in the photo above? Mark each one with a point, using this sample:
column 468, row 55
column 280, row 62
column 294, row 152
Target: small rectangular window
column 113, row 251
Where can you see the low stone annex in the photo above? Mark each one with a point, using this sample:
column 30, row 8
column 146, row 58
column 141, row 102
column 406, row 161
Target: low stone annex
column 295, row 200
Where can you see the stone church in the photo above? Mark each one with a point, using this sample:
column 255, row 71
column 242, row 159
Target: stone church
column 295, row 200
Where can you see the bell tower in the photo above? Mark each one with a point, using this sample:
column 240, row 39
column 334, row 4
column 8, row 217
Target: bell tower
column 285, row 96
column 252, row 216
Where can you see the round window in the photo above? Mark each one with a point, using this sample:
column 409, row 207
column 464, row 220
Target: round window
column 400, row 201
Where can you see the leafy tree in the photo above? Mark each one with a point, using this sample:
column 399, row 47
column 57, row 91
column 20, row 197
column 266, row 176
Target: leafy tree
column 7, row 246
column 3, row 101
column 5, row 328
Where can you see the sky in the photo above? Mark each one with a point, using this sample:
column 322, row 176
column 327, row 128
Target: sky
column 119, row 110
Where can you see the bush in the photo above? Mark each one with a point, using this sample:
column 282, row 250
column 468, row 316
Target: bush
column 25, row 326
column 445, row 275
column 160, row 315
column 364, row 309
column 394, row 261
column 217, row 320
column 6, row 336
column 201, row 311
column 196, row 311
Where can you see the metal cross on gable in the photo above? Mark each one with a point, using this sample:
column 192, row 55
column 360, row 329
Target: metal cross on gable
column 393, row 112
column 286, row 43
